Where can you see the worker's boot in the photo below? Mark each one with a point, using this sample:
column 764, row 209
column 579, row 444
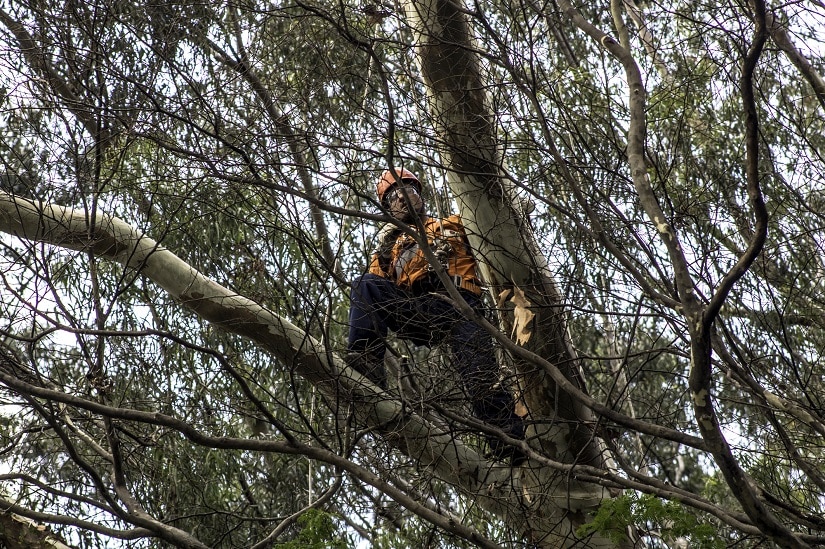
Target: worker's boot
column 368, row 365
column 501, row 451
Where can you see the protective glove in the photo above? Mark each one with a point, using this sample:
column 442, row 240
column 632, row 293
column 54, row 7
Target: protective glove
column 385, row 240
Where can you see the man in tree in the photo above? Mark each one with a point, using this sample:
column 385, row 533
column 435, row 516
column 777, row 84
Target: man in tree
column 403, row 293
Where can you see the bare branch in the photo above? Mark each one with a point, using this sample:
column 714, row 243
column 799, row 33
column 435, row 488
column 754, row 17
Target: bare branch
column 781, row 38
column 39, row 62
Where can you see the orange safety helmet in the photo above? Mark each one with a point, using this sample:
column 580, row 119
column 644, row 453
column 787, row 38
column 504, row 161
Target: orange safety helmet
column 390, row 178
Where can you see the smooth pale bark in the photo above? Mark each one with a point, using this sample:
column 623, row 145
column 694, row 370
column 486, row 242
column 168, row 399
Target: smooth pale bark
column 555, row 506
column 496, row 489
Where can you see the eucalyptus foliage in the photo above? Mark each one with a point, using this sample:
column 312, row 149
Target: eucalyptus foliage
column 661, row 163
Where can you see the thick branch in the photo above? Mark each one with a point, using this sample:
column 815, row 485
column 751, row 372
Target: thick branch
column 782, row 39
column 39, row 62
column 115, row 240
column 511, row 261
column 760, row 212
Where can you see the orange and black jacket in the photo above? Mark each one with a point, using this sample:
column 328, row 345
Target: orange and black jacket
column 399, row 258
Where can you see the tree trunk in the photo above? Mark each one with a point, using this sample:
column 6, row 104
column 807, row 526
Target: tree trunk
column 560, row 426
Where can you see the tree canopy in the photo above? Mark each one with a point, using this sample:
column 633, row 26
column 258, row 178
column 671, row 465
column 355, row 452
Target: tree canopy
column 187, row 190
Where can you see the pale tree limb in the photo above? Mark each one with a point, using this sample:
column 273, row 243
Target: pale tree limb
column 618, row 22
column 9, row 509
column 85, row 437
column 597, row 231
column 647, row 38
column 434, row 447
column 117, row 241
column 637, row 130
column 39, row 62
column 780, row 36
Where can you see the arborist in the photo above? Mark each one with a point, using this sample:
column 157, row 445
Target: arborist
column 402, row 292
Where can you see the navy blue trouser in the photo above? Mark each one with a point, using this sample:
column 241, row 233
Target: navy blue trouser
column 378, row 305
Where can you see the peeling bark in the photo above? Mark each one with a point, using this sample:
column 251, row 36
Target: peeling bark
column 561, row 426
column 18, row 532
